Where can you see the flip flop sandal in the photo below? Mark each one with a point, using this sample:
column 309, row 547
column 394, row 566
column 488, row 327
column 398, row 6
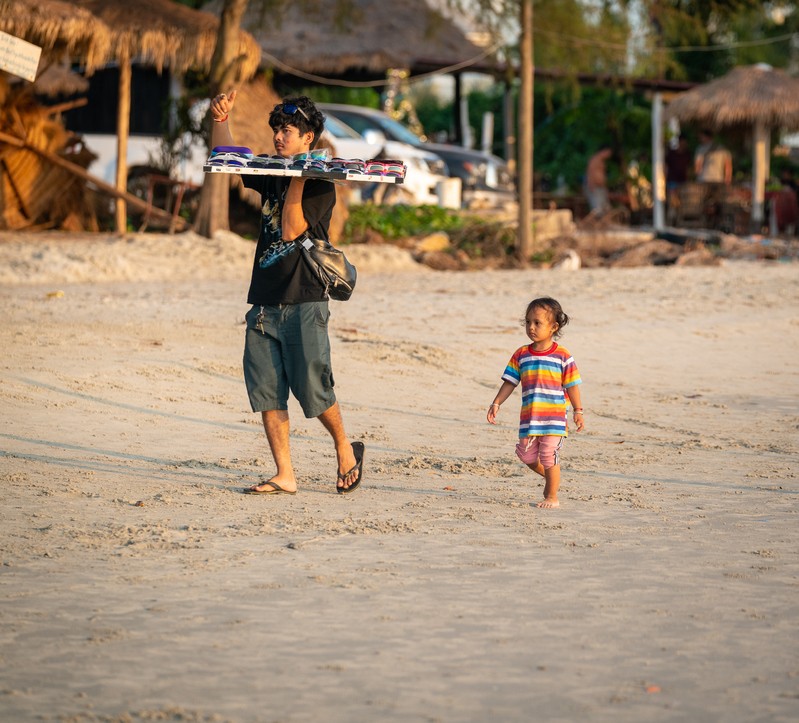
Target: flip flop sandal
column 276, row 489
column 358, row 450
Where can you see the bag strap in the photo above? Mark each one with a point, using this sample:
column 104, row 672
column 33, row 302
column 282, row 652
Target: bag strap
column 304, row 239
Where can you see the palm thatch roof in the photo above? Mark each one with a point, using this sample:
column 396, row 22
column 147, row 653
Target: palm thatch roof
column 96, row 32
column 59, row 79
column 743, row 97
column 157, row 32
column 373, row 37
column 165, row 33
column 59, row 27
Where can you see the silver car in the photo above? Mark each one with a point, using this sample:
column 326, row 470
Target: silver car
column 425, row 170
column 486, row 178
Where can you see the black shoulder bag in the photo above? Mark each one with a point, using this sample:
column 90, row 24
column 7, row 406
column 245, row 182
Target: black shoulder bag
column 329, row 265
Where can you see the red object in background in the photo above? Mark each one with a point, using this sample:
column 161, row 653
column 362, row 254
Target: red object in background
column 786, row 207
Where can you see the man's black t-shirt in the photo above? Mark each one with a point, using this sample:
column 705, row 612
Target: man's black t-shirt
column 279, row 275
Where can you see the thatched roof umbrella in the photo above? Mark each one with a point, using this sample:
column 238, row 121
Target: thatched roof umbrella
column 756, row 96
column 361, row 47
column 371, row 40
column 96, row 32
column 161, row 33
column 58, row 27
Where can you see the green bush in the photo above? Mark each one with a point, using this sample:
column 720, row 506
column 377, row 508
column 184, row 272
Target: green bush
column 399, row 221
column 479, row 237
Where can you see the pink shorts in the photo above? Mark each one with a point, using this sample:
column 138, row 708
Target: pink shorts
column 542, row 449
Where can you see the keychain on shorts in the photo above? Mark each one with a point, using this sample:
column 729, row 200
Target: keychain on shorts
column 259, row 320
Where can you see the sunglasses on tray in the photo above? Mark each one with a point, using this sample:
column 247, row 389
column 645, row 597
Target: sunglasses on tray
column 291, row 109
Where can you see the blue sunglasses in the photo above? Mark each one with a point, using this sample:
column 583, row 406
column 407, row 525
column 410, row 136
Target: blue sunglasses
column 291, row 109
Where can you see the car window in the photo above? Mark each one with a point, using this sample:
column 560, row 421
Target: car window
column 338, row 130
column 391, row 129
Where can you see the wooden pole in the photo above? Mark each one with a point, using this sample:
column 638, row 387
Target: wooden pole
column 123, row 130
column 526, row 238
column 658, row 177
column 761, row 151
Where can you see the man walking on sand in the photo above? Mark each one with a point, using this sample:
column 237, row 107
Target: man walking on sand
column 287, row 348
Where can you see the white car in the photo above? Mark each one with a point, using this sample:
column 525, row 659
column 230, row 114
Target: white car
column 424, row 169
column 346, row 142
column 486, row 179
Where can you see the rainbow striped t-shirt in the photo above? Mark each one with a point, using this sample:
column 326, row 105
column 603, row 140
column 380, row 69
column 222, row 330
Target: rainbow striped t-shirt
column 544, row 375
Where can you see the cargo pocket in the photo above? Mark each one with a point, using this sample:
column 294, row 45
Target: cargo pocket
column 321, row 314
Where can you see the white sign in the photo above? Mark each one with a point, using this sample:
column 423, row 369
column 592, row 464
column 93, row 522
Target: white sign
column 19, row 57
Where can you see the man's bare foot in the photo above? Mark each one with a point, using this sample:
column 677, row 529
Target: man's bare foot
column 548, row 503
column 350, row 476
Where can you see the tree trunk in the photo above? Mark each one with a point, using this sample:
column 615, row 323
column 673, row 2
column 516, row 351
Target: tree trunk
column 213, row 212
column 526, row 237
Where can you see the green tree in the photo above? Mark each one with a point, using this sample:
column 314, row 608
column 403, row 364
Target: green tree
column 700, row 40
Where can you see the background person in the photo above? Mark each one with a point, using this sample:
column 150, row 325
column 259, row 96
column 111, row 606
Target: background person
column 713, row 162
column 713, row 168
column 596, row 181
column 679, row 162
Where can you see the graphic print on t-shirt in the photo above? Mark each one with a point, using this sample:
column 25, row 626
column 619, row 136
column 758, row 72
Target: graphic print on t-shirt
column 275, row 248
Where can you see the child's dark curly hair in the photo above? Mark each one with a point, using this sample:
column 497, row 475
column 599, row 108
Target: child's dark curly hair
column 553, row 308
column 304, row 115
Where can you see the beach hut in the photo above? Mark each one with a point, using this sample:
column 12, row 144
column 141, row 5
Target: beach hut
column 39, row 185
column 361, row 46
column 756, row 97
column 359, row 49
column 161, row 33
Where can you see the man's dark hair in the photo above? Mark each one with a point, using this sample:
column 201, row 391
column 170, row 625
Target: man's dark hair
column 306, row 118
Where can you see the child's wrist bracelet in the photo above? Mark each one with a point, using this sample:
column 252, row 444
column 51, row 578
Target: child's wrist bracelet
column 221, row 120
column 495, row 404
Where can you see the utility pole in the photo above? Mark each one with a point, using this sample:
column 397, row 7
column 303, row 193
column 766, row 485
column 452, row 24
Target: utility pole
column 526, row 236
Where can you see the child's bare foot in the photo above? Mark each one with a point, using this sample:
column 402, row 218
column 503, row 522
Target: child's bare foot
column 548, row 503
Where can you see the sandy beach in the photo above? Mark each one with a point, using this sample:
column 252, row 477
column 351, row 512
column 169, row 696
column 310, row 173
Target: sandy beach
column 139, row 584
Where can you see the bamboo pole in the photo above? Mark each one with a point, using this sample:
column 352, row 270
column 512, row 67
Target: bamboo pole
column 123, row 129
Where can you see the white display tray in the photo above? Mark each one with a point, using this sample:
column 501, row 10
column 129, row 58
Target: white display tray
column 326, row 175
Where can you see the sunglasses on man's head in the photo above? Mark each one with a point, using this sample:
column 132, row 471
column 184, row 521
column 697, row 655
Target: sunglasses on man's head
column 291, row 109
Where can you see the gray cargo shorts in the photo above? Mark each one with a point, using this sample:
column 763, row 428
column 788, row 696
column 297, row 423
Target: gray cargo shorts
column 287, row 348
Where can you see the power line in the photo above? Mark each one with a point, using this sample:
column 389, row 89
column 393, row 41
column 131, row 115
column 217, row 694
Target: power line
column 730, row 46
column 574, row 39
column 571, row 39
column 379, row 83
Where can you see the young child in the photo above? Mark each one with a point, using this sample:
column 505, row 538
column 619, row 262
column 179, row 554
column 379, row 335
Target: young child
column 547, row 373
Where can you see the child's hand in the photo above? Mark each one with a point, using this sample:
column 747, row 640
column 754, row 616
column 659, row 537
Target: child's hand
column 578, row 421
column 493, row 410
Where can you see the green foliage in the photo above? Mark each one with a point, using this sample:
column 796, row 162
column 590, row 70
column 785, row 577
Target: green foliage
column 399, row 221
column 479, row 237
column 482, row 239
column 703, row 39
column 366, row 97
